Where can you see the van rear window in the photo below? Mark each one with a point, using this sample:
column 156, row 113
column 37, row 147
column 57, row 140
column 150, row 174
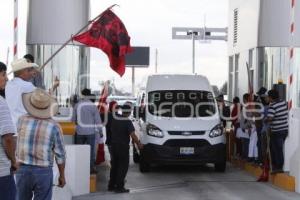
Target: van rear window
column 181, row 103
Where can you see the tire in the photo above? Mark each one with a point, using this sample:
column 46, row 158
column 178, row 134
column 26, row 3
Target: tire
column 220, row 167
column 144, row 165
column 136, row 156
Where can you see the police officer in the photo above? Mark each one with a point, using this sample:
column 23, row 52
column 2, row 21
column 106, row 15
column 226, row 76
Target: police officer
column 121, row 131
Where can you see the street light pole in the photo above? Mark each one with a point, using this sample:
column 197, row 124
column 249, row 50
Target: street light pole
column 193, row 39
column 156, row 55
column 193, row 33
column 202, row 34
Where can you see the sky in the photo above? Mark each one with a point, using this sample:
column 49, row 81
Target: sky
column 149, row 23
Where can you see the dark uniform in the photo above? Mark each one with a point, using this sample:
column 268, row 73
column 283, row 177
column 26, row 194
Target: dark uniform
column 108, row 129
column 121, row 128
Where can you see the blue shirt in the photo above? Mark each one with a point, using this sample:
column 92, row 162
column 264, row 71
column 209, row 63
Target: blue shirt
column 87, row 118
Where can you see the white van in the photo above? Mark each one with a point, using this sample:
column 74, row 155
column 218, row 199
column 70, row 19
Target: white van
column 179, row 123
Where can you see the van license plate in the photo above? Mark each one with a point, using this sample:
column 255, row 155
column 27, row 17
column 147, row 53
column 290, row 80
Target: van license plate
column 187, row 150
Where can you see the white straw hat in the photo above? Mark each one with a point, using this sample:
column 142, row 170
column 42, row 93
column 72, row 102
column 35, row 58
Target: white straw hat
column 22, row 63
column 40, row 104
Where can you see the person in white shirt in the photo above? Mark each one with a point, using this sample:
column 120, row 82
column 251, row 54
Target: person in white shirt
column 23, row 71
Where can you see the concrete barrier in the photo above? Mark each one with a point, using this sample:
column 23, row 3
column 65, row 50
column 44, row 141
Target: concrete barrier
column 292, row 147
column 282, row 180
column 77, row 173
column 62, row 193
column 292, row 141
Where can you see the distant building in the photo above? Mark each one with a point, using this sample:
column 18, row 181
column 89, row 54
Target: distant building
column 259, row 33
column 50, row 24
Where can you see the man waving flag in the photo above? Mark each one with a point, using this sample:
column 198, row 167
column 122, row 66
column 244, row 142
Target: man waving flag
column 109, row 34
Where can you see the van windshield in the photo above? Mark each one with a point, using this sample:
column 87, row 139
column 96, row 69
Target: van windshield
column 181, row 103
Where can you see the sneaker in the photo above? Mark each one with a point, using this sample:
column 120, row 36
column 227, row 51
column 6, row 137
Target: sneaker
column 122, row 190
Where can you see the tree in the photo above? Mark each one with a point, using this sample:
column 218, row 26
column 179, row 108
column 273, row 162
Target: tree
column 223, row 89
column 216, row 90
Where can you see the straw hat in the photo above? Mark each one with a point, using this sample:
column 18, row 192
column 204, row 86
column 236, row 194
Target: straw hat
column 40, row 104
column 22, row 63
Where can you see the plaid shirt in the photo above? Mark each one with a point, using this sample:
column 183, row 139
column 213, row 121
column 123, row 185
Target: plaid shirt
column 39, row 141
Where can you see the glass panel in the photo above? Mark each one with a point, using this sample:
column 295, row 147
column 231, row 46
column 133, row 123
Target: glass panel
column 67, row 65
column 236, row 76
column 230, row 63
column 230, row 86
column 250, row 59
column 260, row 68
column 236, row 62
column 276, row 65
column 231, row 71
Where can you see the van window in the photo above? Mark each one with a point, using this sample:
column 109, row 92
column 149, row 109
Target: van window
column 181, row 103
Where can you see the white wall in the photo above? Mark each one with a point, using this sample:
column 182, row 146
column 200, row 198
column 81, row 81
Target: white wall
column 292, row 147
column 274, row 23
column 54, row 21
column 247, row 25
column 297, row 24
column 262, row 23
column 77, row 172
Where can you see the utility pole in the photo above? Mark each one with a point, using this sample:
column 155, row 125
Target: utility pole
column 193, row 33
column 7, row 56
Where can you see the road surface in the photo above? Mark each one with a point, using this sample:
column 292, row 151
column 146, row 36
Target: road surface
column 188, row 183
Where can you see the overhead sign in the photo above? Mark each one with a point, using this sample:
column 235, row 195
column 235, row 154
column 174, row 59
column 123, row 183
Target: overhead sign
column 185, row 33
column 138, row 58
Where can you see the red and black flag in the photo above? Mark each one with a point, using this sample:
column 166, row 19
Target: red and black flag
column 102, row 106
column 109, row 34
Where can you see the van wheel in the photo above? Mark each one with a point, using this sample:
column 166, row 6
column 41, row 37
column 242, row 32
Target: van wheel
column 220, row 167
column 136, row 156
column 144, row 165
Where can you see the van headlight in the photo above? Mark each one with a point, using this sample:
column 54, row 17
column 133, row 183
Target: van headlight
column 154, row 131
column 216, row 131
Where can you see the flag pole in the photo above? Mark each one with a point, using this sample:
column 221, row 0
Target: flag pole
column 69, row 40
column 7, row 56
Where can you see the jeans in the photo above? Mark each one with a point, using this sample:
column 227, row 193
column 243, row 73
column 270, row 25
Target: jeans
column 276, row 146
column 259, row 145
column 7, row 188
column 88, row 139
column 34, row 181
column 245, row 147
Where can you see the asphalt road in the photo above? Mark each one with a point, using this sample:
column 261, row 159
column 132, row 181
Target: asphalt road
column 188, row 183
